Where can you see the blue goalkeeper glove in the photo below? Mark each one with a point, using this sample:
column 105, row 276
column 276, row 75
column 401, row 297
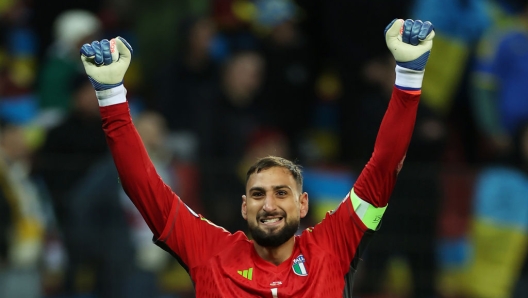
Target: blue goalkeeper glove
column 410, row 43
column 106, row 62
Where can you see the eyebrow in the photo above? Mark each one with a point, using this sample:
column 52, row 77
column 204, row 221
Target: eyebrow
column 281, row 186
column 276, row 187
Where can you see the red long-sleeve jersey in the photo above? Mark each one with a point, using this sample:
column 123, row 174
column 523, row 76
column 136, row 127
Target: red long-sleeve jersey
column 222, row 264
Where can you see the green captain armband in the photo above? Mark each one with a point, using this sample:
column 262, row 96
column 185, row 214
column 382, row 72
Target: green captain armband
column 369, row 215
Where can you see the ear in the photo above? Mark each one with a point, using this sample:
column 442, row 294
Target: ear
column 244, row 207
column 303, row 202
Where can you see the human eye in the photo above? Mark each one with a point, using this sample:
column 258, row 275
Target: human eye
column 257, row 194
column 282, row 193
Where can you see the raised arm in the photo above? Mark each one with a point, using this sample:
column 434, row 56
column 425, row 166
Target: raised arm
column 410, row 43
column 346, row 231
column 105, row 63
column 176, row 228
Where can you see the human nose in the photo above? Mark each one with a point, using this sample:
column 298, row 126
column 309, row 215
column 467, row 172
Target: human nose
column 269, row 203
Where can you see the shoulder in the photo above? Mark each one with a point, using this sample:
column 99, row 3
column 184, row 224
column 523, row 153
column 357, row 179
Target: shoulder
column 241, row 237
column 306, row 237
column 238, row 246
column 237, row 240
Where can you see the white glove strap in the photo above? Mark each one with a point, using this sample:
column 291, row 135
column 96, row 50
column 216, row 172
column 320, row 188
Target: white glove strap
column 408, row 78
column 111, row 96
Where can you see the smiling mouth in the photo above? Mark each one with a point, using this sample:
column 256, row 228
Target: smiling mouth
column 271, row 221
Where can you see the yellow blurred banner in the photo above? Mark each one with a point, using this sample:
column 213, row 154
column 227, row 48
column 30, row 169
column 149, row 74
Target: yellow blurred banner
column 443, row 76
column 498, row 256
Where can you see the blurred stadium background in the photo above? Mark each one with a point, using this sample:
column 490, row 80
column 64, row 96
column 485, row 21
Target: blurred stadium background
column 213, row 85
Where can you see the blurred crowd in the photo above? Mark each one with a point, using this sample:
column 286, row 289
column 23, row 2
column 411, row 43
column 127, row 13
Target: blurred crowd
column 215, row 84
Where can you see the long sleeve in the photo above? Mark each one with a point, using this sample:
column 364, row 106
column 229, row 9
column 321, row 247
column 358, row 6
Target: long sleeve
column 137, row 174
column 377, row 179
column 176, row 228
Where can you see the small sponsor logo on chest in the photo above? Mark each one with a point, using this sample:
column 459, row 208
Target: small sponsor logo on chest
column 299, row 267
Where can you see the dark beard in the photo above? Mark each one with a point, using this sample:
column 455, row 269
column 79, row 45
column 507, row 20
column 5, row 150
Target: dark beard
column 274, row 239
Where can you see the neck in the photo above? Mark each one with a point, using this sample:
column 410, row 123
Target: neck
column 276, row 255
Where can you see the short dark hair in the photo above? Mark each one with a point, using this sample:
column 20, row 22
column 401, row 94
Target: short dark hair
column 267, row 162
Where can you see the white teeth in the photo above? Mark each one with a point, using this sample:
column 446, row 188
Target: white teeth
column 270, row 220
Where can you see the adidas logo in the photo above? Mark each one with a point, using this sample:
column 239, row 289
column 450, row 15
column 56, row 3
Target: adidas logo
column 248, row 273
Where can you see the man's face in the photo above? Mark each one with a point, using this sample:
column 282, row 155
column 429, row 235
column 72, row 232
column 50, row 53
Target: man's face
column 273, row 206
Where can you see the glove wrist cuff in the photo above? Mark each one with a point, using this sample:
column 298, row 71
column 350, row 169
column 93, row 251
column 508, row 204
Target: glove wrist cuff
column 409, row 79
column 111, row 96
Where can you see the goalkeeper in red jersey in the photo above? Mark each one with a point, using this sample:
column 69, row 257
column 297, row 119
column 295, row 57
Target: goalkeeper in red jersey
column 321, row 262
